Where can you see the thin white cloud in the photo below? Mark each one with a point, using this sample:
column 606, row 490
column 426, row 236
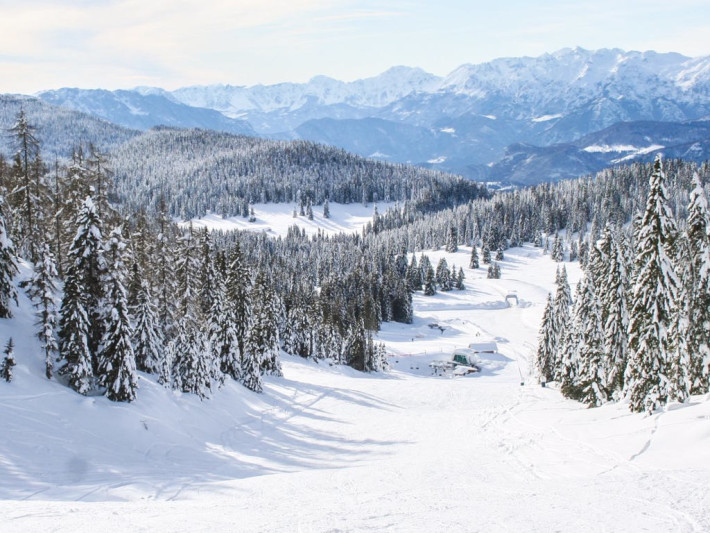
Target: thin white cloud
column 120, row 43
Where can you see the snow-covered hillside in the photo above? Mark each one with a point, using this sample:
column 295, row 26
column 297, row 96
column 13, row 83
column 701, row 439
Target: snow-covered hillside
column 326, row 448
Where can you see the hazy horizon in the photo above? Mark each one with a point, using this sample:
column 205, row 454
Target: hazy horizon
column 128, row 43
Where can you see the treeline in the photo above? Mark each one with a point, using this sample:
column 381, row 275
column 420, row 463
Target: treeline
column 639, row 325
column 578, row 209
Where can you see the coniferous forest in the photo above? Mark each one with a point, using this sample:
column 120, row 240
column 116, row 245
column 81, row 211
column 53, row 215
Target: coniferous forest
column 119, row 287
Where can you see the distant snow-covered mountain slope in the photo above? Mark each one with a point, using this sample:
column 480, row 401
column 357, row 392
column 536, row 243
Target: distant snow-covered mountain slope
column 142, row 109
column 624, row 142
column 468, row 118
column 466, row 122
column 59, row 129
column 322, row 91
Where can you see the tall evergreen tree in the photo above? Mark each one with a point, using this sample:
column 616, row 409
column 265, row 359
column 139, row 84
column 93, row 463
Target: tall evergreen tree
column 88, row 266
column 237, row 291
column 74, row 336
column 42, row 291
column 654, row 302
column 117, row 363
column 545, row 358
column 164, row 273
column 557, row 253
column 486, row 253
column 594, row 379
column 223, row 334
column 474, row 258
column 192, row 361
column 148, row 341
column 443, row 275
column 459, row 285
column 452, row 239
column 26, row 193
column 8, row 362
column 413, row 275
column 263, row 339
column 613, row 288
column 8, row 268
column 429, row 281
column 561, row 312
column 697, row 288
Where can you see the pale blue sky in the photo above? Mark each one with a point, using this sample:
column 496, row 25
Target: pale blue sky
column 113, row 44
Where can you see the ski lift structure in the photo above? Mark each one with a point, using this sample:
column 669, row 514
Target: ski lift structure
column 462, row 361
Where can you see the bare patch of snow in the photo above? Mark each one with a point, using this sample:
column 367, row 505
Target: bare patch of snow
column 605, row 148
column 545, row 118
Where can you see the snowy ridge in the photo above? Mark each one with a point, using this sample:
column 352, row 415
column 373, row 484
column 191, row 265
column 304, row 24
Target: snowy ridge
column 575, row 73
column 378, row 91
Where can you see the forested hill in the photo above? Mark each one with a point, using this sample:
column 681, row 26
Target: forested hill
column 60, row 130
column 198, row 171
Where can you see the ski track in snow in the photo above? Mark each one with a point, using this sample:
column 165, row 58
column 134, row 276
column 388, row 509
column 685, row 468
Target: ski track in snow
column 330, row 449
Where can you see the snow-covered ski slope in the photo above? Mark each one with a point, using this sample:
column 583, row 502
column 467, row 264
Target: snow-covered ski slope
column 330, row 449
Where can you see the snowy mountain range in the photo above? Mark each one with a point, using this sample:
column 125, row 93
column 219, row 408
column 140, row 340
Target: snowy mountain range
column 468, row 121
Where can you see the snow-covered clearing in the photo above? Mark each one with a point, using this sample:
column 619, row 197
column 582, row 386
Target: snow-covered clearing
column 275, row 219
column 330, row 449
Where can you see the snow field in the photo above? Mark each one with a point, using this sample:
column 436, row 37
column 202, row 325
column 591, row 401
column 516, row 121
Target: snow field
column 331, row 449
column 275, row 219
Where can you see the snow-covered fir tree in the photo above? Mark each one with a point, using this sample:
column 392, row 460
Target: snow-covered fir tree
column 473, row 263
column 697, row 288
column 613, row 294
column 117, row 363
column 561, row 316
column 486, row 253
column 42, row 290
column 74, row 335
column 460, row 277
column 545, row 358
column 237, row 289
column 443, row 275
column 86, row 260
column 452, row 240
column 191, row 359
column 592, row 383
column 429, row 281
column 8, row 268
column 223, row 335
column 413, row 275
column 27, row 188
column 8, row 362
column 148, row 341
column 263, row 338
column 653, row 342
column 557, row 252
